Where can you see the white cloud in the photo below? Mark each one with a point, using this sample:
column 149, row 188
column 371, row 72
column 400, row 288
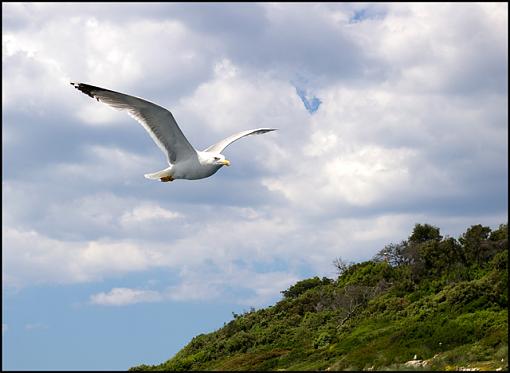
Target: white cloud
column 206, row 284
column 359, row 178
column 260, row 287
column 200, row 290
column 412, row 128
column 31, row 258
column 95, row 50
column 148, row 212
column 441, row 49
column 124, row 296
column 234, row 100
column 266, row 286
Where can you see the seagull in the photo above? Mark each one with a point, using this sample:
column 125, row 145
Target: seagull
column 185, row 161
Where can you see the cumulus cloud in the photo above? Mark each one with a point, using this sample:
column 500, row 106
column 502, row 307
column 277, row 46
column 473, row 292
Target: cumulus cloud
column 124, row 296
column 241, row 286
column 412, row 127
column 111, row 57
column 147, row 213
column 31, row 258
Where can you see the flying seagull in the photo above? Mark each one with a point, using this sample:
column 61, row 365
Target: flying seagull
column 185, row 161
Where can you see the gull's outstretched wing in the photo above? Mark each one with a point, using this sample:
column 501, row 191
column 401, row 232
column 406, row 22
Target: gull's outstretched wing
column 219, row 146
column 157, row 121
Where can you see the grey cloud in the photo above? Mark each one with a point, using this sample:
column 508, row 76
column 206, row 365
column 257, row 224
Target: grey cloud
column 221, row 18
column 289, row 40
column 23, row 15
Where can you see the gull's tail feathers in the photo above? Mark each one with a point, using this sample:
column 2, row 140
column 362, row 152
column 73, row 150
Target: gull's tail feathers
column 159, row 174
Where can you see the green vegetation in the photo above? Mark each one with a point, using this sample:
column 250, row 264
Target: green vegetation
column 441, row 299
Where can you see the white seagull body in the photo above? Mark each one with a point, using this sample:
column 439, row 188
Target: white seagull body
column 185, row 161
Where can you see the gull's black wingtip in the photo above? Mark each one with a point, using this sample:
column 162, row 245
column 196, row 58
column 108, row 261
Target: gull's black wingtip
column 86, row 88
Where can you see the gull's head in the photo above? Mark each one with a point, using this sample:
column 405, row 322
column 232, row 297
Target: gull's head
column 218, row 160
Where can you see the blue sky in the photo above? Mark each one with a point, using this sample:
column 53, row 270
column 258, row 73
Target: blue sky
column 104, row 269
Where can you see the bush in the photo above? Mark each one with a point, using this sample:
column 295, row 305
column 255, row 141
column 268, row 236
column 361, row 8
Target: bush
column 322, row 340
column 300, row 287
column 240, row 342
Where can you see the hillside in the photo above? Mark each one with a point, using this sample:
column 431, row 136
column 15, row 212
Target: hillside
column 442, row 302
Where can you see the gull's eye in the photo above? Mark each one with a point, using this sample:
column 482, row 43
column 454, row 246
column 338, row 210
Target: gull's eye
column 216, row 158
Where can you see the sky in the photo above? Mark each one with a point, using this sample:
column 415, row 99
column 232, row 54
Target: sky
column 388, row 115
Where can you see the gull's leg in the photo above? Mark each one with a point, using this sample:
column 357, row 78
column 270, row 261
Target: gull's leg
column 166, row 178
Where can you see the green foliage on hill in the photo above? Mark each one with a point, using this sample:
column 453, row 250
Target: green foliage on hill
column 444, row 300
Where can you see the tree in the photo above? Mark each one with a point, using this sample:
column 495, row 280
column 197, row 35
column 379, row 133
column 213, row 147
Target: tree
column 301, row 286
column 424, row 232
column 341, row 265
column 439, row 256
column 393, row 254
column 473, row 245
column 354, row 298
column 499, row 234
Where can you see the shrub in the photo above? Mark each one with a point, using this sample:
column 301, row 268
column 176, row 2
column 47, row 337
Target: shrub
column 301, row 286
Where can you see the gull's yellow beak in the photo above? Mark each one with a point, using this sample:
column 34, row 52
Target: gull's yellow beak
column 225, row 163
